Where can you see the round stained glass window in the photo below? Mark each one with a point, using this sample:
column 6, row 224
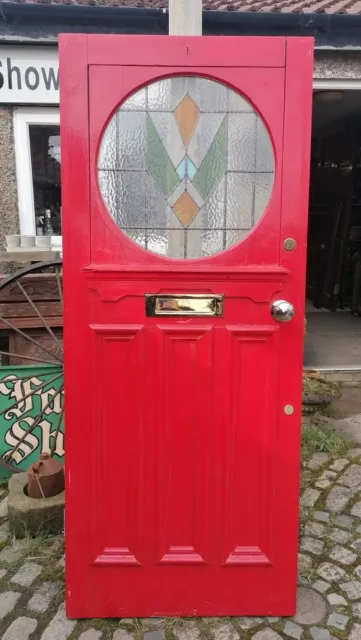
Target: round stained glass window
column 186, row 167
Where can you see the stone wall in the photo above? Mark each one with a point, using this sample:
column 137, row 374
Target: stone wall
column 337, row 65
column 9, row 217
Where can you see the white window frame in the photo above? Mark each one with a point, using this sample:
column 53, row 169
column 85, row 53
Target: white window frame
column 23, row 117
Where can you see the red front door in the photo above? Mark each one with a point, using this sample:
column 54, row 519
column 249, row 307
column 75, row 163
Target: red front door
column 185, row 182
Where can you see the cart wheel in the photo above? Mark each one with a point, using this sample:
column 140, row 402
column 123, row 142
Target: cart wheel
column 31, row 409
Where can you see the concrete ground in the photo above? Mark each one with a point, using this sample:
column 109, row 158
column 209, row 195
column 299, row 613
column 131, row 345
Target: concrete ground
column 329, row 594
column 332, row 339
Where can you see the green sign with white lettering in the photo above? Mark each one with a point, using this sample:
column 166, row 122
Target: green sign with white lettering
column 29, row 395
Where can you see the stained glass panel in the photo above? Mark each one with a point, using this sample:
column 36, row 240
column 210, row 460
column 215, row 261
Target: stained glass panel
column 186, row 167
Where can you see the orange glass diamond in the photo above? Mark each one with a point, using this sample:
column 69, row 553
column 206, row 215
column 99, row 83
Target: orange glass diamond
column 186, row 115
column 185, row 209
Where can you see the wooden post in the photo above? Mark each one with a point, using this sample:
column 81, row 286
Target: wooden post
column 185, row 17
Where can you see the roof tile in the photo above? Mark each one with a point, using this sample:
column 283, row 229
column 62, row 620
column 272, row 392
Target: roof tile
column 350, row 7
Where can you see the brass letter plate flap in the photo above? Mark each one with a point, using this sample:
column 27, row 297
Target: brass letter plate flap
column 183, row 305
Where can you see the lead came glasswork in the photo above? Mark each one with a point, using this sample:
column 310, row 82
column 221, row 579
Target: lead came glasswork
column 186, row 167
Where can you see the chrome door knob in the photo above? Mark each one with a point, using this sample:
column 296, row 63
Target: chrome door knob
column 282, row 311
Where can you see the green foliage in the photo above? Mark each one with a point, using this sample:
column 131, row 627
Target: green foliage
column 315, row 439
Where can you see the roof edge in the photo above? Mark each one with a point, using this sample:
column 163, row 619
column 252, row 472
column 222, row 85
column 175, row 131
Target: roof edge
column 34, row 22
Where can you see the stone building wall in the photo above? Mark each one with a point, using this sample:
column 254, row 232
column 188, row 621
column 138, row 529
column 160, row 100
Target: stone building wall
column 9, row 217
column 337, row 65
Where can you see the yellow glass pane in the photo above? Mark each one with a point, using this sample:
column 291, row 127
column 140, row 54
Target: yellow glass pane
column 186, row 115
column 185, row 208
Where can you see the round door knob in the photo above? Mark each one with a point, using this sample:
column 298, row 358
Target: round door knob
column 282, row 311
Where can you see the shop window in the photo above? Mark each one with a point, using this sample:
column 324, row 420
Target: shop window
column 37, row 152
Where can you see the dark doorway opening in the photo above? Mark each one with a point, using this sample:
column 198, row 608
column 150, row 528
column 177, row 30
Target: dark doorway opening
column 333, row 291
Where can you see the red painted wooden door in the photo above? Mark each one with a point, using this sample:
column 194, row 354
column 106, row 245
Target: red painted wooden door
column 185, row 169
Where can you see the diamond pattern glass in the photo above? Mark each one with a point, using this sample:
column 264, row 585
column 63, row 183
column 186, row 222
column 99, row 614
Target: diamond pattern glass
column 186, row 167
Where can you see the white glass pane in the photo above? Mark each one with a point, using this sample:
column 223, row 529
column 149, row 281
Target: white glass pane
column 136, row 102
column 132, row 140
column 263, row 190
column 208, row 95
column 131, row 190
column 241, row 142
column 264, row 151
column 108, row 148
column 239, row 200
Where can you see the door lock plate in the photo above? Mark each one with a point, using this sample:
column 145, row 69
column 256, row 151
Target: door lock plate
column 183, row 305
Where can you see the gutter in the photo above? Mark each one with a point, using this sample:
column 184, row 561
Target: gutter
column 32, row 22
column 25, row 21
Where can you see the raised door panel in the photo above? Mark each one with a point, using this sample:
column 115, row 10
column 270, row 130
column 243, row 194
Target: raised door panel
column 119, row 448
column 185, row 368
column 249, row 366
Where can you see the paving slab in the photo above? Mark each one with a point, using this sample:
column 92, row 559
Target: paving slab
column 293, row 630
column 311, row 606
column 225, row 632
column 27, row 574
column 335, row 600
column 338, row 621
column 331, row 572
column 91, row 634
column 42, row 598
column 20, row 629
column 338, row 498
column 121, row 634
column 8, row 600
column 343, row 555
column 60, row 626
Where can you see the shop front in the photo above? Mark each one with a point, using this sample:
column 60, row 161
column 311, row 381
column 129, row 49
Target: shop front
column 30, row 181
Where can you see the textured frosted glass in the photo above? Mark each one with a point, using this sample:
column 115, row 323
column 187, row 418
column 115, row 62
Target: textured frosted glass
column 208, row 95
column 138, row 236
column 157, row 241
column 212, row 214
column 264, row 152
column 108, row 147
column 212, row 242
column 157, row 209
column 136, row 102
column 132, row 140
column 235, row 236
column 108, row 189
column 263, row 190
column 241, row 142
column 159, row 96
column 237, row 103
column 131, row 199
column 239, row 200
column 186, row 167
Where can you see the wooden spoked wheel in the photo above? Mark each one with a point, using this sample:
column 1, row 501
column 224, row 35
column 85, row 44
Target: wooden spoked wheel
column 31, row 370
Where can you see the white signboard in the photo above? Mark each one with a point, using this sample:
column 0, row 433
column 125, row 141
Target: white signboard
column 29, row 75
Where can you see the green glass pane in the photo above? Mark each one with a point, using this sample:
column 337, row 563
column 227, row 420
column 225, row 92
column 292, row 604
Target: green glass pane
column 159, row 164
column 214, row 163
